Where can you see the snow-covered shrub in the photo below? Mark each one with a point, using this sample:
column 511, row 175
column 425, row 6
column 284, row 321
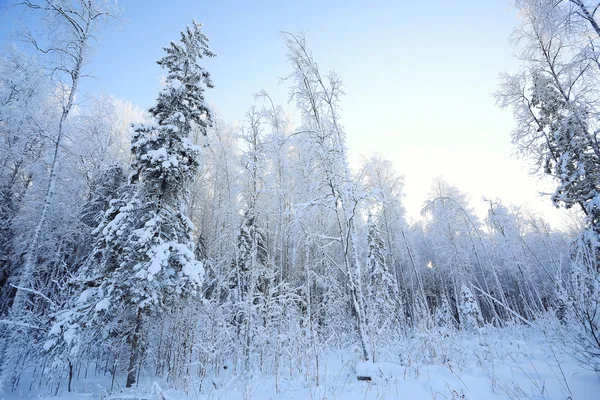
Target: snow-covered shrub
column 470, row 314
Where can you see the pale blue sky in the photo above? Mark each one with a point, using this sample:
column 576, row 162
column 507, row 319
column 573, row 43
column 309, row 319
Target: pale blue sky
column 419, row 78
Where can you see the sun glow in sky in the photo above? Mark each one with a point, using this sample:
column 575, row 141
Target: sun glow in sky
column 419, row 79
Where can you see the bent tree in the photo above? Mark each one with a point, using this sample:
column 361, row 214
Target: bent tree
column 555, row 103
column 318, row 99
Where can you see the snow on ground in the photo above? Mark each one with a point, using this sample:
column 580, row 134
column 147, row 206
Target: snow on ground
column 508, row 363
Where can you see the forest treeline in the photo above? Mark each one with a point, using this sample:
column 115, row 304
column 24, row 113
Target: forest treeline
column 171, row 243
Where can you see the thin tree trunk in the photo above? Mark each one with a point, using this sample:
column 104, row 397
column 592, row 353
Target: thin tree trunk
column 134, row 358
column 70, row 376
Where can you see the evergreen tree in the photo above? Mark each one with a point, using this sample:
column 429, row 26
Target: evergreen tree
column 444, row 317
column 144, row 258
column 251, row 281
column 470, row 314
column 382, row 290
column 252, row 257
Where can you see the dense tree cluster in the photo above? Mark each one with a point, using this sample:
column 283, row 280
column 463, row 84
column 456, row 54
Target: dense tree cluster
column 183, row 243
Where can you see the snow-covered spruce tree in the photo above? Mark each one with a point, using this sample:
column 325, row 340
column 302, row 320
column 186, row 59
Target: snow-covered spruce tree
column 469, row 312
column 381, row 293
column 444, row 317
column 251, row 280
column 144, row 259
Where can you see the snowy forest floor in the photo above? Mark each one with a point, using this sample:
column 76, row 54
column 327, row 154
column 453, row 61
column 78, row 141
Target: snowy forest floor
column 514, row 362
